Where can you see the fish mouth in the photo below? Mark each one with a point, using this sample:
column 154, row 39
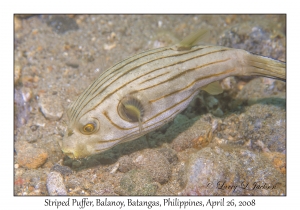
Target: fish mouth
column 60, row 143
column 67, row 151
column 70, row 155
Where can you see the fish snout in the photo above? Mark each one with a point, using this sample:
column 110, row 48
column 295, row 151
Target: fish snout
column 67, row 149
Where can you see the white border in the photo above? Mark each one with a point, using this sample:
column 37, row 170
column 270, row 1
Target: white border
column 8, row 201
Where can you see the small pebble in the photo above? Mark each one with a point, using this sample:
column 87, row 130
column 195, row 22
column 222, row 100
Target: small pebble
column 17, row 74
column 182, row 135
column 51, row 107
column 137, row 182
column 30, row 134
column 55, row 184
column 218, row 112
column 156, row 165
column 126, row 164
column 211, row 101
column 28, row 156
column 62, row 24
column 231, row 166
column 215, row 124
column 241, row 85
column 26, row 94
column 278, row 160
column 109, row 47
column 180, row 118
column 17, row 23
column 160, row 23
column 115, row 168
column 112, row 36
column 228, row 83
column 36, row 79
column 102, row 189
column 170, row 154
column 64, row 170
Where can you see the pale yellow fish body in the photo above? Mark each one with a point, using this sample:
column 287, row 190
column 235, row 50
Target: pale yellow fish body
column 147, row 90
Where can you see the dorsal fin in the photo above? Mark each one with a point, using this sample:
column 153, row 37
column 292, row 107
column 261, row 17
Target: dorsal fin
column 213, row 88
column 191, row 40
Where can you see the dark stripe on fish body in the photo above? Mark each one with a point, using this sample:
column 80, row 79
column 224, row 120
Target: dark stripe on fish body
column 183, row 73
column 178, row 62
column 171, row 107
column 191, row 84
column 88, row 91
column 121, row 128
column 107, row 72
column 136, row 57
column 198, row 79
column 172, row 55
column 154, row 77
column 159, row 58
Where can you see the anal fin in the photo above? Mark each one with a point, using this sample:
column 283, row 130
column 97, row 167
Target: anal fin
column 213, row 88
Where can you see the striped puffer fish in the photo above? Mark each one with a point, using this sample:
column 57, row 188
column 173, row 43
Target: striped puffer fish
column 147, row 90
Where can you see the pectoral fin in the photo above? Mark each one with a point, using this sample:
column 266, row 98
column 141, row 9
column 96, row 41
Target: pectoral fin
column 191, row 40
column 213, row 88
column 131, row 110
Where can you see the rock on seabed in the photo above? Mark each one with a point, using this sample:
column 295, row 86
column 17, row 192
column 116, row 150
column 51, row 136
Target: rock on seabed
column 156, row 165
column 30, row 157
column 51, row 110
column 215, row 170
column 137, row 182
column 55, row 184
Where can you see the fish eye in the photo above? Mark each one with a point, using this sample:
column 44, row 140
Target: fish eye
column 90, row 127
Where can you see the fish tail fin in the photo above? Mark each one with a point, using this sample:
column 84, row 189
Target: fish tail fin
column 264, row 66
